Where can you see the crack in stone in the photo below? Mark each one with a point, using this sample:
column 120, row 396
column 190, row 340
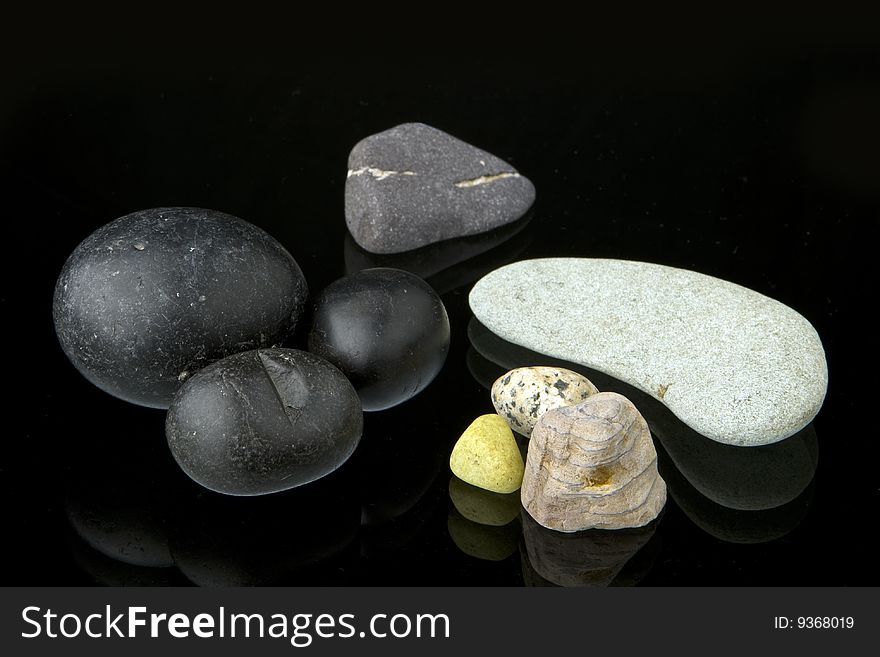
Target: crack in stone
column 291, row 410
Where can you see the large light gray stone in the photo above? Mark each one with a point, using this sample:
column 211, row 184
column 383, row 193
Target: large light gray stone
column 733, row 364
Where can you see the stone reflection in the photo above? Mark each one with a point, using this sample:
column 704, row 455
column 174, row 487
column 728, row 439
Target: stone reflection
column 450, row 264
column 283, row 538
column 119, row 501
column 397, row 476
column 395, row 468
column 482, row 506
column 111, row 572
column 594, row 557
column 487, row 542
column 730, row 524
column 738, row 494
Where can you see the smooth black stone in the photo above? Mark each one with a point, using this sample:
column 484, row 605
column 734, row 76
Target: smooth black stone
column 148, row 299
column 414, row 185
column 264, row 421
column 386, row 329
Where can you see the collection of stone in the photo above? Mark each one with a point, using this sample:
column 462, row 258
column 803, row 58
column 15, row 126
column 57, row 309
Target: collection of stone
column 184, row 308
column 591, row 463
column 187, row 309
column 735, row 494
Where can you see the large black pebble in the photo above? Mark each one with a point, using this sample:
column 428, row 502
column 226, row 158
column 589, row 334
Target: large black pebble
column 264, row 421
column 386, row 329
column 152, row 297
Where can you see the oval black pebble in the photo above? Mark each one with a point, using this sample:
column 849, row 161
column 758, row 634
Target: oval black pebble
column 152, row 297
column 263, row 421
column 386, row 329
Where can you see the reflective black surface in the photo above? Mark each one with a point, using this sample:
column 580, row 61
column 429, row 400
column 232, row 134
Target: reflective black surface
column 756, row 165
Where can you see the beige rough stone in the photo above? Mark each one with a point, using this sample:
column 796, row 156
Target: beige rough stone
column 593, row 465
column 523, row 395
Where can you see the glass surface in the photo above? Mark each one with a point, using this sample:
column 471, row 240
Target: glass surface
column 758, row 168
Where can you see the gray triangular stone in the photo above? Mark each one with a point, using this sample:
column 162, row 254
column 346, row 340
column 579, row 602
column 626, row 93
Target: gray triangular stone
column 414, row 185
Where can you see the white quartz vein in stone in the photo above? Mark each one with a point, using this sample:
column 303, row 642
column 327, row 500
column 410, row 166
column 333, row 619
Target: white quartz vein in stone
column 484, row 180
column 378, row 174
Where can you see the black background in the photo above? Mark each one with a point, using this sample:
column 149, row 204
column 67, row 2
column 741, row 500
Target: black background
column 752, row 160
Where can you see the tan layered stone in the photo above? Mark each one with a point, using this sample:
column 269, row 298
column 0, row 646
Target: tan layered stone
column 593, row 465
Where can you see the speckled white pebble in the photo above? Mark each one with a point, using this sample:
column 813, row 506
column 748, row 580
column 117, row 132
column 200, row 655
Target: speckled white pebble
column 523, row 395
column 733, row 364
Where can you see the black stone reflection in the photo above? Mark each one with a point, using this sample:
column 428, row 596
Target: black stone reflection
column 110, row 572
column 451, row 264
column 391, row 538
column 138, row 520
column 120, row 500
column 274, row 539
column 740, row 494
column 395, row 469
column 397, row 475
column 595, row 557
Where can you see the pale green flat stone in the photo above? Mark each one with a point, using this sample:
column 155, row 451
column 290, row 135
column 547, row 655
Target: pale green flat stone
column 734, row 365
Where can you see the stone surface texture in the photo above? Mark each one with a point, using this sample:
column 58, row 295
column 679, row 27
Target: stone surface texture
column 264, row 421
column 593, row 465
column 150, row 298
column 733, row 364
column 386, row 329
column 487, row 456
column 414, row 185
column 523, row 395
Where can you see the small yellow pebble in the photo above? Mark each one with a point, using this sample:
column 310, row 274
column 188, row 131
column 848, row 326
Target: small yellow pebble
column 487, row 456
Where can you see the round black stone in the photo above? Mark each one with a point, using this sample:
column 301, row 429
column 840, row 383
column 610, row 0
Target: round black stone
column 263, row 421
column 150, row 298
column 386, row 329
